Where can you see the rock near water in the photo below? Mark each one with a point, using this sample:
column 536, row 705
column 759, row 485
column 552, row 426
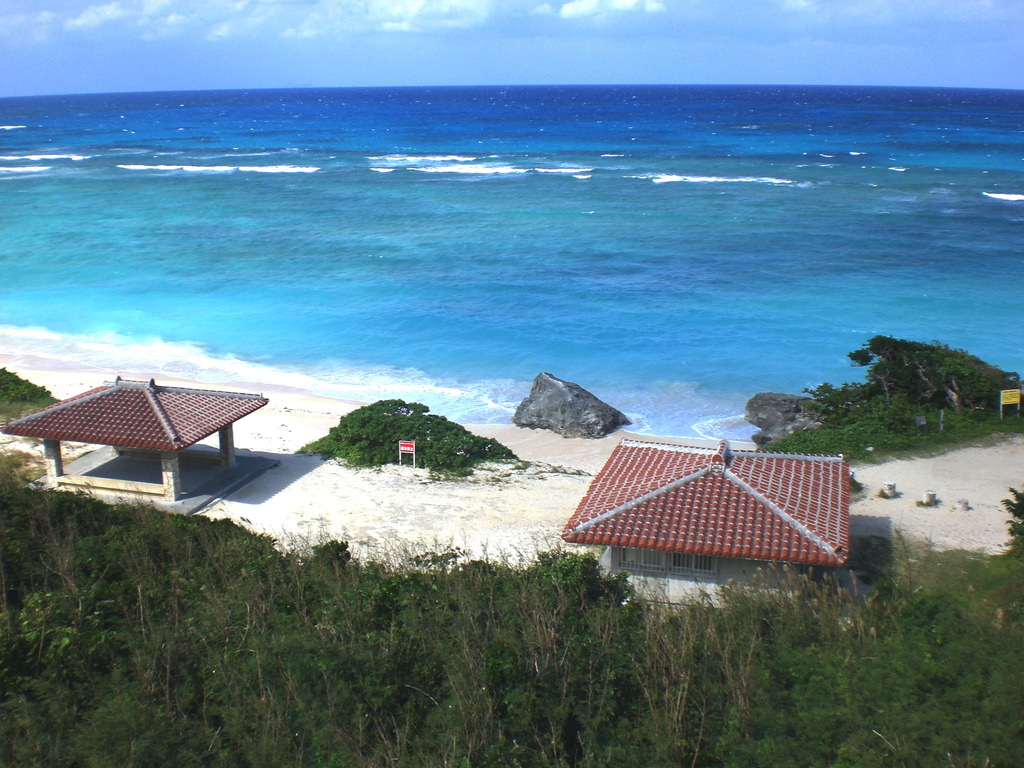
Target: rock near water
column 778, row 415
column 567, row 409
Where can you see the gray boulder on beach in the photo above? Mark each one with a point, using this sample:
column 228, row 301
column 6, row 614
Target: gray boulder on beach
column 567, row 409
column 777, row 415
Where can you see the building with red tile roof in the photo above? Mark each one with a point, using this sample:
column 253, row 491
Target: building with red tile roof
column 710, row 513
column 140, row 416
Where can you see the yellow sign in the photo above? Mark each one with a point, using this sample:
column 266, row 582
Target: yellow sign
column 1011, row 397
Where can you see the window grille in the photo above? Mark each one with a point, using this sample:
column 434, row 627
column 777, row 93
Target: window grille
column 686, row 564
column 643, row 560
column 676, row 563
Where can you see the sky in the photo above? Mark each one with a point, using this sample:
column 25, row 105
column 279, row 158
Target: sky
column 83, row 46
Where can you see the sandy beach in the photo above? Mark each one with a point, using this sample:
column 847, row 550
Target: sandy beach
column 512, row 512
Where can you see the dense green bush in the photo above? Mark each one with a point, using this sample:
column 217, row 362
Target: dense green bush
column 930, row 374
column 906, row 381
column 1015, row 506
column 132, row 637
column 369, row 437
column 18, row 396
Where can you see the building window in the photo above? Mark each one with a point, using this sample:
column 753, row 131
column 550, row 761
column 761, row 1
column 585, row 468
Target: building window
column 642, row 560
column 686, row 564
column 675, row 563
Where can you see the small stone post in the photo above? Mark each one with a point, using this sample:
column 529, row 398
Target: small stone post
column 227, row 446
column 171, row 469
column 54, row 459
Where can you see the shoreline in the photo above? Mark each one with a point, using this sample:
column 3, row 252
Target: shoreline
column 515, row 512
column 690, row 413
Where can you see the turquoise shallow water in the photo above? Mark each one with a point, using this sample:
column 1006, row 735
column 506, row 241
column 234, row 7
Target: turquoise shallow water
column 673, row 249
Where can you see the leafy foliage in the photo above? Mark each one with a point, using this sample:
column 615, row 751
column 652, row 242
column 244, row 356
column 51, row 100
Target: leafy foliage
column 930, row 374
column 131, row 637
column 369, row 436
column 907, row 383
column 1015, row 506
column 19, row 396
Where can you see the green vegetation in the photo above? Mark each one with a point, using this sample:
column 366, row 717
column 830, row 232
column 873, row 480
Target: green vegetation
column 908, row 387
column 130, row 637
column 18, row 396
column 369, row 436
column 1015, row 506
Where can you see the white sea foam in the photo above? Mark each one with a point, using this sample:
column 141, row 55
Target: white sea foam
column 855, row 154
column 583, row 176
column 489, row 401
column 612, row 154
column 468, row 168
column 11, row 127
column 572, row 171
column 1001, row 196
column 400, row 160
column 190, row 168
column 278, row 168
column 223, row 168
column 382, row 170
column 897, row 169
column 37, row 158
column 664, row 178
column 110, row 354
column 24, row 168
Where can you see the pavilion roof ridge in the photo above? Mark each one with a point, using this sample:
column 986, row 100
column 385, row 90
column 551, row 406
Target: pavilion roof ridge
column 158, row 410
column 158, row 388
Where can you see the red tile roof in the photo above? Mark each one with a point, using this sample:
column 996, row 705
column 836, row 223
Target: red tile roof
column 136, row 414
column 721, row 502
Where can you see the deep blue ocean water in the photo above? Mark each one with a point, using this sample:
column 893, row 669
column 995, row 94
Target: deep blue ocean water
column 672, row 249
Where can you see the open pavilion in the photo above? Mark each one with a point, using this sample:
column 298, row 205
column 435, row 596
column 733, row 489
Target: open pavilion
column 146, row 426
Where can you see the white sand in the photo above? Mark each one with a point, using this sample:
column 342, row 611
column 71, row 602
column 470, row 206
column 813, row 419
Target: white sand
column 511, row 512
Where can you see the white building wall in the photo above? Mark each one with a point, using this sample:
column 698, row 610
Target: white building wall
column 677, row 587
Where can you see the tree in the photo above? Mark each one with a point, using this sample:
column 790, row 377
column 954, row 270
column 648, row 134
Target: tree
column 930, row 374
column 1015, row 506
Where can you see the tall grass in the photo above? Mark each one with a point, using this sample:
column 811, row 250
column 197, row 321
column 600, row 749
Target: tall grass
column 130, row 637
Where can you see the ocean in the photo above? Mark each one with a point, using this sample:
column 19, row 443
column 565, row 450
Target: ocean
column 673, row 249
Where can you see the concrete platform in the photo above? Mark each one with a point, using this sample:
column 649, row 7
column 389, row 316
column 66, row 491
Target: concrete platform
column 202, row 482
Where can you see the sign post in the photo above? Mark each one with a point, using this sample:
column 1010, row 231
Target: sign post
column 407, row 446
column 1009, row 397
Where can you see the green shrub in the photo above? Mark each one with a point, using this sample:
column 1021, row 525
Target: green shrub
column 1015, row 506
column 906, row 381
column 930, row 374
column 369, row 437
column 18, row 396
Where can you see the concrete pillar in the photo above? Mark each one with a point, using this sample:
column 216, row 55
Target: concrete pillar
column 54, row 459
column 171, row 469
column 227, row 446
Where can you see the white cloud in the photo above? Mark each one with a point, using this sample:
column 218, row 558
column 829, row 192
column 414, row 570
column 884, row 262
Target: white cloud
column 219, row 19
column 577, row 9
column 95, row 16
column 28, row 27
